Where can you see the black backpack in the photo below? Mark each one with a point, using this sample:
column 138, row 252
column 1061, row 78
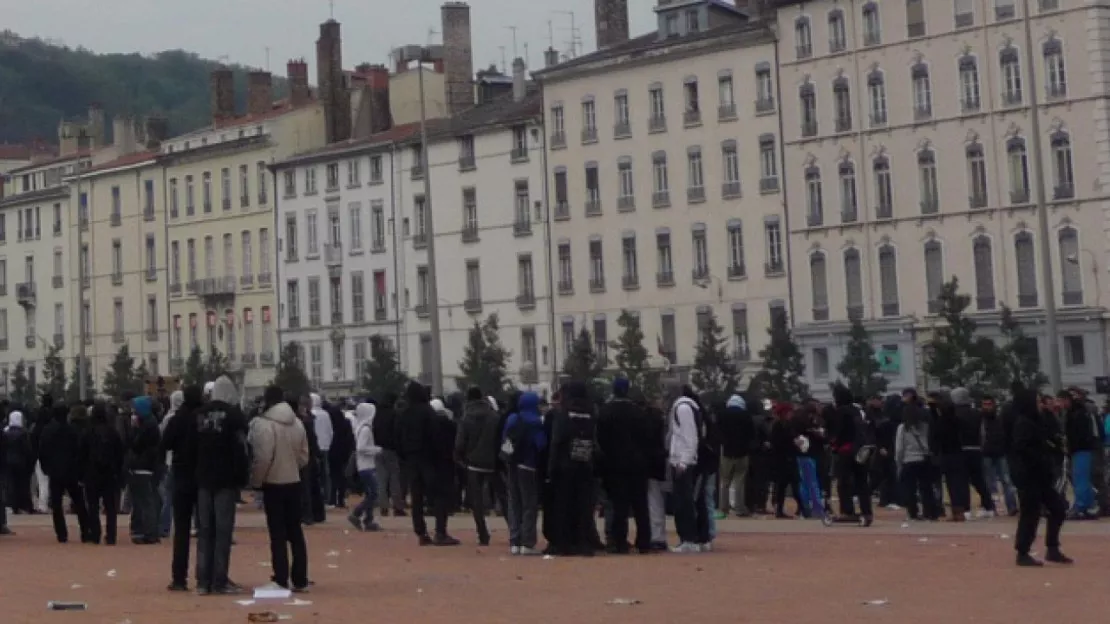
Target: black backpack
column 583, row 437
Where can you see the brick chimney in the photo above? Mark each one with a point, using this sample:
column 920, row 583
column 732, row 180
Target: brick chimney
column 299, row 93
column 611, row 22
column 520, row 79
column 156, row 129
column 550, row 57
column 260, row 92
column 221, row 86
column 333, row 87
column 376, row 79
column 458, row 57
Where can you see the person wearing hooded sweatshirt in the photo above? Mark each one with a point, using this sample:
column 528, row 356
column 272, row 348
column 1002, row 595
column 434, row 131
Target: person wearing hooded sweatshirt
column 1037, row 446
column 366, row 457
column 476, row 445
column 913, row 460
column 656, row 424
column 339, row 455
column 19, row 460
column 61, row 461
column 737, row 437
column 684, row 434
column 1083, row 438
column 523, row 442
column 388, row 462
column 996, row 469
column 623, row 437
column 165, row 521
column 280, row 451
column 179, row 441
column 970, row 423
column 223, row 469
column 420, row 432
column 103, row 450
column 571, row 463
column 852, row 441
column 324, row 435
column 944, row 433
column 144, row 459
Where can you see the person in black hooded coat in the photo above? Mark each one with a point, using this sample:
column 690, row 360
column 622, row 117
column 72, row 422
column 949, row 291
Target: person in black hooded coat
column 1037, row 448
column 104, row 452
column 339, row 455
column 419, row 431
column 853, row 443
column 61, row 461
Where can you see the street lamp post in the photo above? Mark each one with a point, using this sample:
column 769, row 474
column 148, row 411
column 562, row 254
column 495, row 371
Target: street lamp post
column 422, row 55
column 82, row 337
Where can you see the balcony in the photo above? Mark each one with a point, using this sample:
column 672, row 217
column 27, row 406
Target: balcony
column 526, row 301
column 244, row 201
column 59, row 340
column 421, row 310
column 1056, row 91
column 922, row 113
column 248, row 360
column 872, row 38
column 985, row 303
column 30, row 341
column 855, row 312
column 978, row 200
column 803, row 51
column 891, row 309
column 1011, row 98
column 1063, row 191
column 933, row 306
column 57, row 229
column 821, row 313
column 294, row 322
column 727, row 112
column 118, row 337
column 116, row 219
column 151, row 274
column 700, row 274
column 558, row 139
column 695, row 194
column 3, row 344
column 809, row 129
column 849, row 215
column 1004, row 12
column 333, row 258
column 175, row 288
column 737, row 271
column 730, row 190
column 466, row 162
column 815, row 219
column 622, row 130
column 691, row 118
column 266, row 358
column 664, row 278
column 472, row 305
column 1073, row 297
column 117, row 279
column 968, row 106
column 470, row 234
column 419, row 241
column 626, row 203
column 661, row 199
column 774, row 268
column 562, row 211
column 522, row 227
column 417, row 172
column 215, row 287
column 884, row 211
column 742, row 353
column 177, row 365
column 589, row 135
column 566, row 287
column 1019, row 196
column 844, row 123
column 265, row 279
column 597, row 285
column 225, row 203
column 837, row 45
column 963, row 20
column 25, row 294
column 630, row 282
column 57, row 281
column 593, row 207
column 657, row 123
column 930, row 206
column 336, row 318
column 765, row 105
column 152, row 335
column 878, row 119
column 519, row 155
column 1027, row 300
column 380, row 314
column 246, row 281
column 769, row 185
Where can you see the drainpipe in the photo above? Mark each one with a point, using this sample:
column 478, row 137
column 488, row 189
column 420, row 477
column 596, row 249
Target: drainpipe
column 547, row 250
column 787, row 236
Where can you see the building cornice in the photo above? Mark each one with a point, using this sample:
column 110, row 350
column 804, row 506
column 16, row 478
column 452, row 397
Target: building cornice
column 55, row 192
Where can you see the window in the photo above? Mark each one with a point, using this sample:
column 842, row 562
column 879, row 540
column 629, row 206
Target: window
column 470, row 214
column 815, row 212
column 803, row 38
column 1056, row 80
column 1004, row 9
column 152, row 315
column 773, row 234
column 1074, row 352
column 876, row 93
column 291, row 237
column 248, row 333
column 593, row 191
column 207, row 192
column 419, row 218
column 842, row 104
column 888, row 280
column 176, row 344
column 566, row 271
column 526, row 288
column 589, row 121
column 922, row 92
column 658, row 119
column 1062, row 172
column 473, row 281
column 1011, row 76
column 1018, row 165
column 872, row 27
column 664, row 257
column 695, row 175
column 376, row 170
column 354, row 211
column 884, row 188
column 173, row 204
column 838, row 38
column 1025, row 260
column 969, row 84
column 522, row 219
column 601, row 339
column 335, row 228
column 316, row 363
column 335, row 302
column 821, row 362
column 927, row 180
column 528, row 347
column 631, row 273
column 660, row 184
column 314, row 301
column 764, row 90
column 267, row 336
column 809, row 109
column 151, row 258
column 58, row 219
column 379, row 295
column 597, row 266
column 701, row 252
column 225, row 188
column 977, row 175
column 310, row 181
column 853, row 284
column 358, row 297
column 562, row 202
column 731, row 161
column 983, row 258
column 965, row 13
column 229, row 256
column 117, row 210
column 768, row 164
column 191, row 252
column 692, row 111
column 669, row 337
column 312, row 233
column 568, row 336
column 264, row 254
column 1070, row 265
column 915, row 18
column 741, row 346
column 244, row 186
column 190, row 203
column 332, row 176
column 248, row 256
column 117, row 319
column 117, row 261
column 59, row 267
column 558, row 127
column 263, row 181
column 377, row 226
column 934, row 275
column 194, row 341
column 520, row 143
column 626, row 198
column 736, row 264
column 849, row 200
column 622, row 126
column 726, row 97
column 290, row 183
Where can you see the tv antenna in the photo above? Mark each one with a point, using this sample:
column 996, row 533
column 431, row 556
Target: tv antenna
column 432, row 32
column 512, row 29
column 503, row 64
column 572, row 44
column 331, row 9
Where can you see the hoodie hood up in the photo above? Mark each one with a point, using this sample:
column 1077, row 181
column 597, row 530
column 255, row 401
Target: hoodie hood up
column 529, row 403
column 224, row 390
column 415, row 393
column 364, row 414
column 208, row 387
column 317, row 402
column 736, row 401
column 15, row 420
column 961, row 397
column 177, row 399
column 281, row 413
column 842, row 395
column 144, row 407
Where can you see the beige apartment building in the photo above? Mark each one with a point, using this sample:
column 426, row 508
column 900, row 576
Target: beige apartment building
column 665, row 187
column 910, row 158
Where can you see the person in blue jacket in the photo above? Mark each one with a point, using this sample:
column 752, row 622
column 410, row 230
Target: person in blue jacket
column 522, row 442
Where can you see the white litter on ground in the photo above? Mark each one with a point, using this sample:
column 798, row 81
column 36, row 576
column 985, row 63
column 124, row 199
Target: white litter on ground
column 905, row 525
column 271, row 591
column 1003, row 536
column 333, row 566
column 244, row 603
column 623, row 601
column 76, row 586
column 876, row 603
column 297, row 602
column 111, row 574
column 333, row 553
column 922, row 539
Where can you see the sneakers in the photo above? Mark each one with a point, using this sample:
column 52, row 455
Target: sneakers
column 1055, row 556
column 425, row 540
column 356, row 522
column 231, row 589
column 893, row 507
column 525, row 551
column 371, row 527
column 445, row 540
column 686, row 547
column 706, row 547
column 514, row 550
column 1027, row 561
column 985, row 513
column 177, row 587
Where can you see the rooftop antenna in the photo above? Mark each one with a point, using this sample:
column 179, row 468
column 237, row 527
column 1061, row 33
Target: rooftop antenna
column 267, row 58
column 513, row 30
column 432, row 32
column 526, row 59
column 503, row 64
column 331, row 9
column 573, row 43
column 550, row 34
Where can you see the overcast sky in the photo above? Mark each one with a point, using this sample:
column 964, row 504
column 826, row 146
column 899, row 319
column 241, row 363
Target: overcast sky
column 241, row 30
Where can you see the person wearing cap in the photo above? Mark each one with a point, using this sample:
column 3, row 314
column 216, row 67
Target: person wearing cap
column 737, row 438
column 143, row 462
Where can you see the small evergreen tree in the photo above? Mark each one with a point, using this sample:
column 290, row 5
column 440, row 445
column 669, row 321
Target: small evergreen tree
column 120, row 377
column 783, row 364
column 382, row 374
column 632, row 357
column 485, row 359
column 290, row 375
column 714, row 373
column 215, row 366
column 141, row 374
column 1020, row 360
column 73, row 390
column 860, row 367
column 957, row 356
column 22, row 391
column 194, row 373
column 583, row 363
column 53, row 374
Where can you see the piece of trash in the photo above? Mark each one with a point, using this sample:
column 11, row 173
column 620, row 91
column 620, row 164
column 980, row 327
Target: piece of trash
column 76, row 586
column 346, row 532
column 922, row 539
column 297, row 602
column 264, row 616
column 876, row 603
column 57, row 605
column 548, row 557
column 333, row 566
column 333, row 553
column 419, row 590
column 125, row 621
column 623, row 601
column 111, row 574
column 264, row 564
column 271, row 591
column 1003, row 536
column 244, row 603
column 1048, row 584
column 905, row 525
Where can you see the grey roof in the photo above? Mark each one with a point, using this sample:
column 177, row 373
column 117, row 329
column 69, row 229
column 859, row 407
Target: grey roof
column 53, row 192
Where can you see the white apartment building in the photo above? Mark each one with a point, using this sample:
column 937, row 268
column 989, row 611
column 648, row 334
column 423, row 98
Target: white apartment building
column 34, row 247
column 353, row 259
column 910, row 158
column 665, row 184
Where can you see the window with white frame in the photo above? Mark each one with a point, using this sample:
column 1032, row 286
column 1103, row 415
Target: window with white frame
column 589, row 120
column 248, row 331
column 312, row 232
column 264, row 252
column 872, row 25
column 566, row 268
column 768, row 161
column 597, row 265
column 838, row 36
column 983, row 259
column 803, row 38
column 1010, row 65
column 248, row 254
column 354, row 212
column 1062, row 171
column 1056, row 79
column 927, row 181
column 819, row 283
column 695, row 175
column 884, row 188
column 358, row 297
column 853, row 284
column 290, row 237
column 726, row 96
column 620, row 112
column 664, row 258
column 376, row 170
column 473, row 281
column 1018, row 165
column 629, row 262
column 888, row 280
column 624, row 175
column 314, row 302
column 377, row 225
column 354, row 172
column 526, row 287
column 701, row 251
column 876, row 94
column 773, row 235
column 658, row 108
column 229, row 256
column 736, row 264
column 660, row 183
column 849, row 200
column 969, row 84
column 731, row 160
column 976, row 175
column 815, row 210
column 470, row 211
column 310, row 181
column 922, row 91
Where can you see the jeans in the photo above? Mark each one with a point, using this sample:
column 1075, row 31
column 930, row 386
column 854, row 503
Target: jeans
column 709, row 491
column 809, row 486
column 997, row 470
column 106, row 494
column 425, row 485
column 217, row 522
column 476, row 483
column 1081, row 479
column 392, row 492
column 77, row 496
column 323, row 466
column 656, row 511
column 628, row 495
column 165, row 521
column 1034, row 499
column 364, row 512
column 917, row 479
column 734, row 477
column 684, row 500
column 145, row 506
column 523, row 506
column 283, row 522
column 184, row 506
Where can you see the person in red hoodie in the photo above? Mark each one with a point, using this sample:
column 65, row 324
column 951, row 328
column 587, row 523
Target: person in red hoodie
column 853, row 446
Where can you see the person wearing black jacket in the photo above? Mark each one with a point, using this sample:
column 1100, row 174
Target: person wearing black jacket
column 996, row 468
column 571, row 462
column 944, row 434
column 760, row 474
column 655, row 428
column 1037, row 447
column 144, row 465
column 737, row 439
column 104, row 452
column 1084, row 438
column 339, row 455
column 312, row 499
column 391, row 487
column 477, row 441
column 970, row 422
column 784, row 460
column 180, row 438
column 853, row 442
column 60, row 454
column 418, row 430
column 886, row 414
column 624, row 440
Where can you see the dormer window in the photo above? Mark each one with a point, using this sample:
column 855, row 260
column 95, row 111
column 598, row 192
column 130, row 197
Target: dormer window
column 672, row 26
column 693, row 21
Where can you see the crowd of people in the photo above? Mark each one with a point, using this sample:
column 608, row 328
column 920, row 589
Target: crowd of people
column 180, row 463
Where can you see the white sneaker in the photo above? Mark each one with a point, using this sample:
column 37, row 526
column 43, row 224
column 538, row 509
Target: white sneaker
column 529, row 552
column 686, row 547
column 985, row 513
column 515, row 550
column 893, row 507
column 706, row 547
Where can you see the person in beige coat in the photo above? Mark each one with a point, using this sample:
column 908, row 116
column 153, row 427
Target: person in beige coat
column 279, row 450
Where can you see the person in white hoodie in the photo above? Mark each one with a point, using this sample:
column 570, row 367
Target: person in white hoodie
column 682, row 441
column 366, row 454
column 324, row 435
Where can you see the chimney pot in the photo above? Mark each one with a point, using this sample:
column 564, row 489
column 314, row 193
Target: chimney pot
column 550, row 57
column 260, row 92
column 222, row 90
column 299, row 93
column 519, row 84
column 458, row 56
column 611, row 22
column 333, row 86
